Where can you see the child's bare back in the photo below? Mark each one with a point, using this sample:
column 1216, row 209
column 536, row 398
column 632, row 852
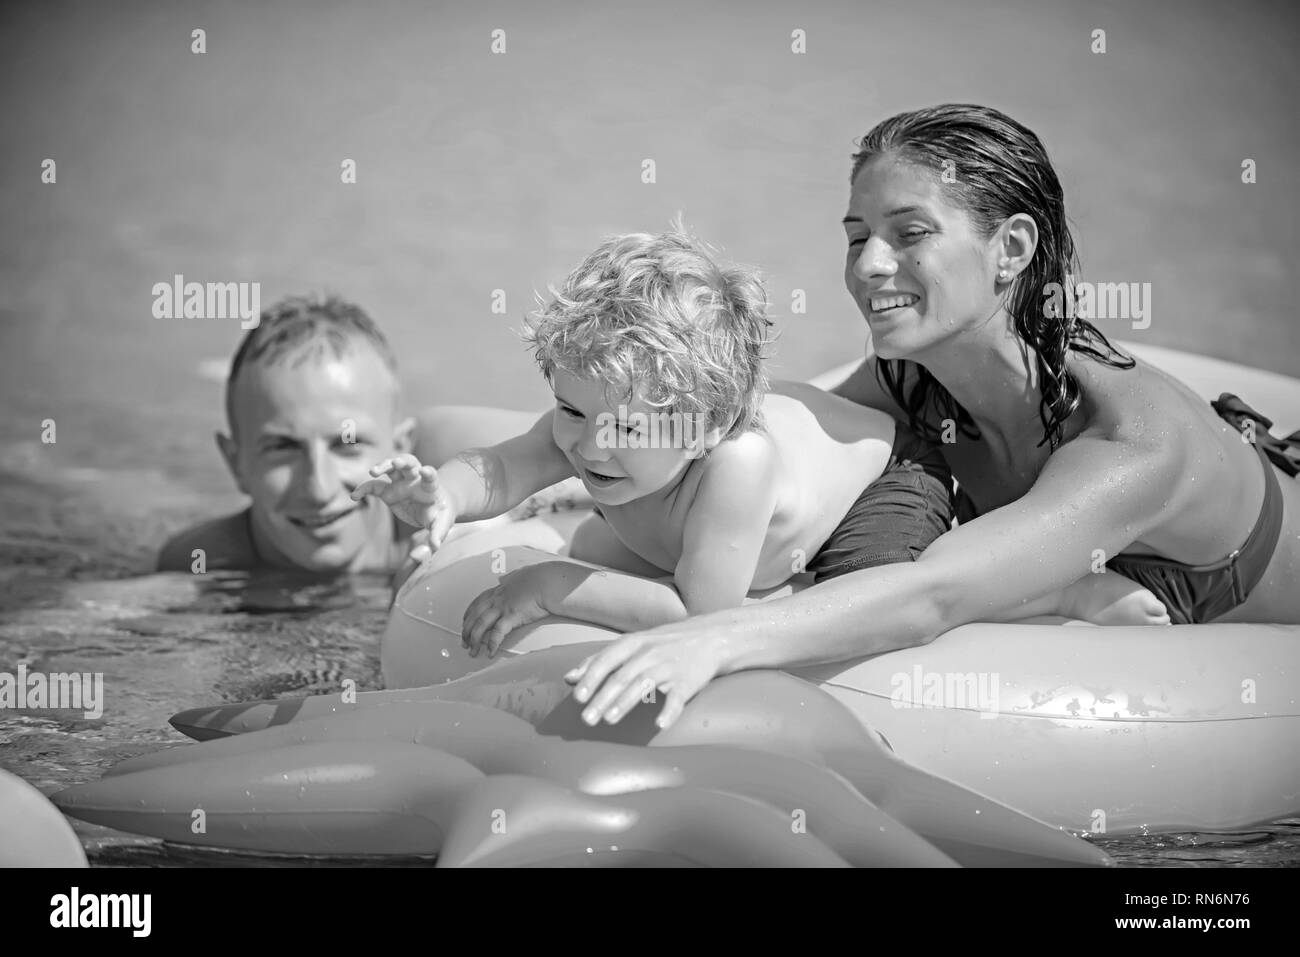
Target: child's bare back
column 817, row 452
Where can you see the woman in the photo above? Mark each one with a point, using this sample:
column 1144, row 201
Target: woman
column 1068, row 453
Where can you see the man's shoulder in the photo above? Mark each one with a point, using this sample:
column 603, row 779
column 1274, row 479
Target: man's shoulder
column 443, row 431
column 224, row 541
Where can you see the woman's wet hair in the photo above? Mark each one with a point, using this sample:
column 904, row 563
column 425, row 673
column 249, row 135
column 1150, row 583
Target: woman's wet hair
column 1001, row 169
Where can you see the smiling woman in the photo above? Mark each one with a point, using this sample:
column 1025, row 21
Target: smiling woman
column 1068, row 452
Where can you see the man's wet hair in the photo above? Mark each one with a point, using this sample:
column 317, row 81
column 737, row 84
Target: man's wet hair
column 301, row 328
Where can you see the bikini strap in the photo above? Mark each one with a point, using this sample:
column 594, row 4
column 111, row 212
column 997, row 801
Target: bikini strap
column 1284, row 452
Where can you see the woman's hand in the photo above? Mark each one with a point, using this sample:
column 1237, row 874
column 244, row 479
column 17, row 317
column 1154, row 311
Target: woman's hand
column 679, row 659
column 518, row 599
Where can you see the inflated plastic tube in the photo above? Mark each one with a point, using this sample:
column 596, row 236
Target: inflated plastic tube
column 1103, row 730
column 372, row 797
column 517, row 821
column 768, row 711
column 32, row 831
column 777, row 712
column 382, row 799
column 813, row 797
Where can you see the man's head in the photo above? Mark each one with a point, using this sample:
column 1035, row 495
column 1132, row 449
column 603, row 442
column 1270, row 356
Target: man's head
column 312, row 404
column 647, row 328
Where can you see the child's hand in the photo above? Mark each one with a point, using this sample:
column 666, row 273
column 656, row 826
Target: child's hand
column 414, row 494
column 516, row 601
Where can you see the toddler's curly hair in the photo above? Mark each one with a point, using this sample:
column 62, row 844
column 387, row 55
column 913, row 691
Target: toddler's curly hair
column 662, row 317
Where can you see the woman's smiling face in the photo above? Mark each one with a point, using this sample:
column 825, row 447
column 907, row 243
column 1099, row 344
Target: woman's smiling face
column 917, row 267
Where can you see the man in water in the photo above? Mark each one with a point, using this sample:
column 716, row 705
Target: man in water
column 312, row 402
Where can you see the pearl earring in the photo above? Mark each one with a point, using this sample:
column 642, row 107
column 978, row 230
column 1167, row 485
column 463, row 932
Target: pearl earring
column 1003, row 275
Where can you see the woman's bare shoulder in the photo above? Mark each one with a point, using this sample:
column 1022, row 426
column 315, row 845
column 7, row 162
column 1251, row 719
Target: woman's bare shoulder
column 1142, row 405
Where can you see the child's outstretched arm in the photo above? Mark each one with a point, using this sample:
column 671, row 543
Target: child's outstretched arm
column 477, row 484
column 723, row 536
column 485, row 483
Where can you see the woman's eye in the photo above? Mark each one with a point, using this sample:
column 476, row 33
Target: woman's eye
column 915, row 234
column 570, row 412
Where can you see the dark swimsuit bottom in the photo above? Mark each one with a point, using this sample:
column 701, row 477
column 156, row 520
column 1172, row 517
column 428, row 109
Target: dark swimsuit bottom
column 1194, row 594
column 897, row 516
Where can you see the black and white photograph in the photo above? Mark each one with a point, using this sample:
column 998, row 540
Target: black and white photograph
column 719, row 434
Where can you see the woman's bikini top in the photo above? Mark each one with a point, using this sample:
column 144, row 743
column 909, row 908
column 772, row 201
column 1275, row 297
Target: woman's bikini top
column 1199, row 593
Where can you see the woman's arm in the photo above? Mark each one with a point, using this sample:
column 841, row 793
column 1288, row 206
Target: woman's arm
column 1094, row 497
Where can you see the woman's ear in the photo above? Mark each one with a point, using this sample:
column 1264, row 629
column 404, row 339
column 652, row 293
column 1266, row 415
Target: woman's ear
column 1017, row 240
column 229, row 449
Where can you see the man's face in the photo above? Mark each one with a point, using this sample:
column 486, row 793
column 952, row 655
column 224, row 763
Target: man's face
column 307, row 430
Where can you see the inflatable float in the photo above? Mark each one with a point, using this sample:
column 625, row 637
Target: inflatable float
column 32, row 831
column 397, row 772
column 913, row 757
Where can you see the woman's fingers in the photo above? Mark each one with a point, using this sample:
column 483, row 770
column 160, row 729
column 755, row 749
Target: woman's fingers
column 598, row 667
column 613, row 689
column 574, row 675
column 674, row 705
column 639, row 691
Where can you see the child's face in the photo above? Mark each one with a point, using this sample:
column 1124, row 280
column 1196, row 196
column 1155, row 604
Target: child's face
column 602, row 447
column 308, row 428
